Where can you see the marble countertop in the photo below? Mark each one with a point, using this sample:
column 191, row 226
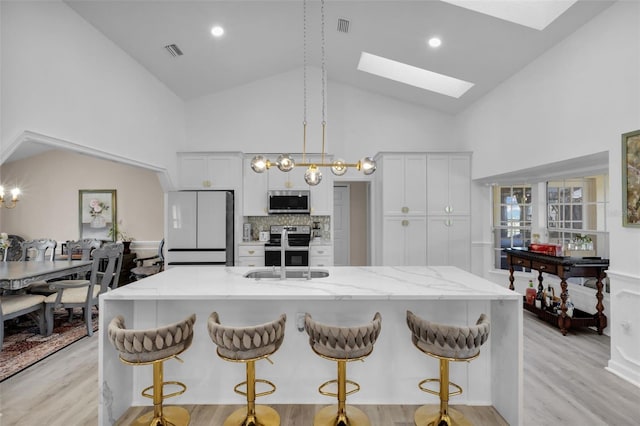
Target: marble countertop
column 356, row 283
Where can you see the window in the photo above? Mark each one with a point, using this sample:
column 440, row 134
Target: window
column 512, row 213
column 576, row 215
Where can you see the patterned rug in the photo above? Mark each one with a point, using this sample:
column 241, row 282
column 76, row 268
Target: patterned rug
column 23, row 346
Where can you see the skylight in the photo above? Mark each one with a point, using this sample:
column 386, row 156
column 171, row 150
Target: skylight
column 414, row 76
column 535, row 14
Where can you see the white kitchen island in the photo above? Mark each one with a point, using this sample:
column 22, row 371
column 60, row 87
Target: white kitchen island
column 350, row 295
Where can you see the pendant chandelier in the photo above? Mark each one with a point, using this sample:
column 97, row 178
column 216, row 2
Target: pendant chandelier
column 285, row 162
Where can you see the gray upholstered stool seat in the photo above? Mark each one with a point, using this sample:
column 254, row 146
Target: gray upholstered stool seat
column 248, row 345
column 154, row 346
column 342, row 344
column 447, row 343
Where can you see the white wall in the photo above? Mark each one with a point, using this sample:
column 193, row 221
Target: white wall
column 267, row 116
column 574, row 100
column 62, row 78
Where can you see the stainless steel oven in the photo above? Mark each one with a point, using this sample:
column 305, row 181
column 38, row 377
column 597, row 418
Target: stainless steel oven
column 297, row 245
column 291, row 257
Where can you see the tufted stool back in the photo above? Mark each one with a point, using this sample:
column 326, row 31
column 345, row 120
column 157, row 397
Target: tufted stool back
column 343, row 342
column 447, row 340
column 145, row 346
column 244, row 343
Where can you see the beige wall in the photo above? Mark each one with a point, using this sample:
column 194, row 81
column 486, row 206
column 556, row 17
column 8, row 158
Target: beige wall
column 49, row 204
column 358, row 223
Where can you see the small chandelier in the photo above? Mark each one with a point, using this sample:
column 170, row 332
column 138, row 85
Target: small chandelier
column 15, row 192
column 284, row 162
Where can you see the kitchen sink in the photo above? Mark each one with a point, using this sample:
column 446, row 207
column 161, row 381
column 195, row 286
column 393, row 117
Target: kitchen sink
column 290, row 273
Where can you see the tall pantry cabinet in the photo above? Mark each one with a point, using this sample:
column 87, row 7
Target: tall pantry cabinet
column 425, row 203
column 404, row 206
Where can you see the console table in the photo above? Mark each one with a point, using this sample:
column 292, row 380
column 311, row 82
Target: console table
column 563, row 267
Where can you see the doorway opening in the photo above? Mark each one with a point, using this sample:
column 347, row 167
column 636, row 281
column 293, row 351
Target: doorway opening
column 351, row 224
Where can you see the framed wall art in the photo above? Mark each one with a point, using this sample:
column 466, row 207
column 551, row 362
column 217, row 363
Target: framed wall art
column 97, row 213
column 631, row 179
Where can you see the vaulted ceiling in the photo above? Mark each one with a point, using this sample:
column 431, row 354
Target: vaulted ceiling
column 265, row 38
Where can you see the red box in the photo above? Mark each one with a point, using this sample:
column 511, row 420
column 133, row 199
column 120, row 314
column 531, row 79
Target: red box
column 550, row 249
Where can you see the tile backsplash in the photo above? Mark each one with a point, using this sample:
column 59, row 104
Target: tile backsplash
column 262, row 223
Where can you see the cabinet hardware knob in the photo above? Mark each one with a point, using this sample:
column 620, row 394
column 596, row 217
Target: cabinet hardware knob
column 251, row 251
column 405, row 223
column 206, row 183
column 405, row 210
column 320, row 251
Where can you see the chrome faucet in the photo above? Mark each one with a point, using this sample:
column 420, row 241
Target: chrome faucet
column 284, row 245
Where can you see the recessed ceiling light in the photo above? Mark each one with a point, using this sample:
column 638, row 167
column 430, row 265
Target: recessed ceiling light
column 435, row 42
column 217, row 31
column 413, row 76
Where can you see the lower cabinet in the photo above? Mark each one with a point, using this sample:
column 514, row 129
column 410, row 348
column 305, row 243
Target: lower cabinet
column 404, row 241
column 449, row 241
column 251, row 255
column 320, row 255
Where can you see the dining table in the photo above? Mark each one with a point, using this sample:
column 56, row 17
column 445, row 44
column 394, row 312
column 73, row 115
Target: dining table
column 18, row 275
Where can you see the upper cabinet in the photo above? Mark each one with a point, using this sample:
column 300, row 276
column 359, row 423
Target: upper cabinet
column 403, row 184
column 210, row 171
column 256, row 186
column 449, row 184
column 254, row 190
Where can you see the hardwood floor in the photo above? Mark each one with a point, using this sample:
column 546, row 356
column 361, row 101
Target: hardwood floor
column 564, row 383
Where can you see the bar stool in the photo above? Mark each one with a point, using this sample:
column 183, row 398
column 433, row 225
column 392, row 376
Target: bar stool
column 342, row 345
column 154, row 346
column 446, row 343
column 248, row 345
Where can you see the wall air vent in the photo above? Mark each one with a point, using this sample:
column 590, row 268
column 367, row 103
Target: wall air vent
column 343, row 25
column 174, row 50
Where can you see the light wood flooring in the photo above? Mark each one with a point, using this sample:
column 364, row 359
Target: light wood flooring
column 564, row 383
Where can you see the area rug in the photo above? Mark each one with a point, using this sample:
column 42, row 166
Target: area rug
column 23, row 346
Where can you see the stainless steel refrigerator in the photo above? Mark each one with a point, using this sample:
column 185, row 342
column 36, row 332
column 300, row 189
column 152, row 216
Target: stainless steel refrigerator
column 200, row 228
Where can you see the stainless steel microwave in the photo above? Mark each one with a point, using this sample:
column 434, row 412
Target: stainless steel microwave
column 289, row 202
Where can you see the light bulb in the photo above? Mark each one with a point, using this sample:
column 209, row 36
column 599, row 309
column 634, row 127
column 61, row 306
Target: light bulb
column 14, row 193
column 285, row 163
column 312, row 176
column 259, row 164
column 338, row 167
column 368, row 165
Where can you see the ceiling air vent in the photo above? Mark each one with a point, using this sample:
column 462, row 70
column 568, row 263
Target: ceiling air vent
column 343, row 25
column 174, row 50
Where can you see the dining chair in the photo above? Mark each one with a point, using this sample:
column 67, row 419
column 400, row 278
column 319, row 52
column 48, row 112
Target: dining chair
column 16, row 305
column 85, row 247
column 40, row 247
column 157, row 264
column 85, row 294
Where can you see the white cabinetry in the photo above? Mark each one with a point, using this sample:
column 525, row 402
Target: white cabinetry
column 404, row 204
column 320, row 254
column 403, row 184
column 210, row 171
column 449, row 241
column 254, row 190
column 293, row 179
column 250, row 254
column 404, row 241
column 449, row 184
column 425, row 206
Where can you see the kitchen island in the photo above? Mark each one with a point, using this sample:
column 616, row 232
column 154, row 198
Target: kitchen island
column 349, row 295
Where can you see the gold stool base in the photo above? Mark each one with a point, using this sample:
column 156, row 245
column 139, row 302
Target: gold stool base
column 177, row 416
column 428, row 415
column 265, row 416
column 327, row 416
